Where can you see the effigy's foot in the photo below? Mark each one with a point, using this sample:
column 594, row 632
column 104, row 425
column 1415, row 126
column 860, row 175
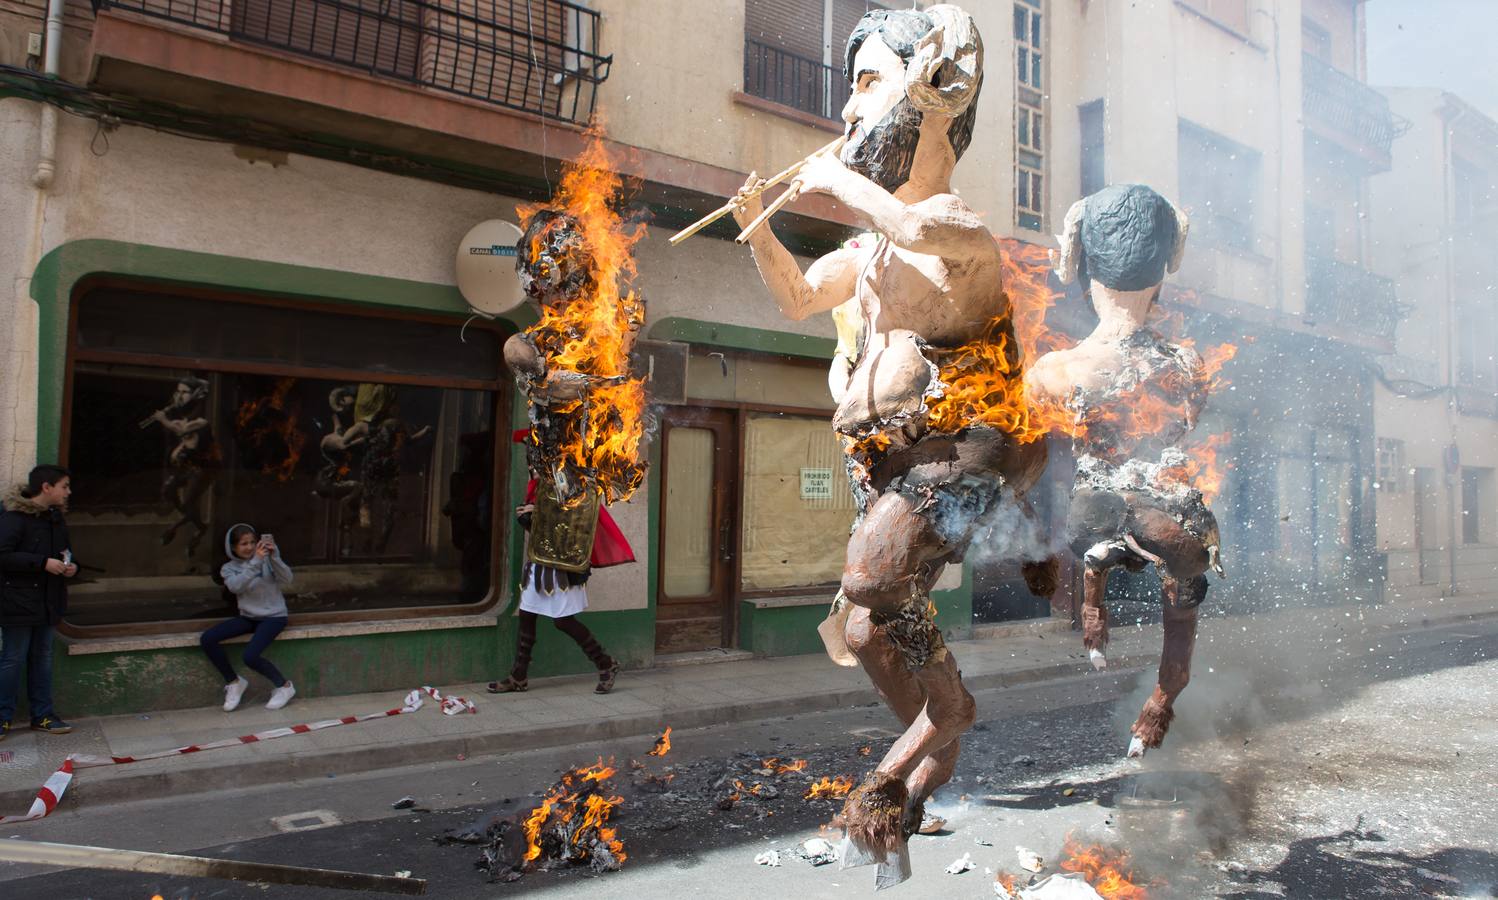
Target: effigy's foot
column 1098, row 659
column 1149, row 731
column 873, row 829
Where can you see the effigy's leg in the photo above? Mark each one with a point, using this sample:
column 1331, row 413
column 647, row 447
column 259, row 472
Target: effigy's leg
column 906, row 697
column 1182, row 597
column 890, row 560
column 1097, row 562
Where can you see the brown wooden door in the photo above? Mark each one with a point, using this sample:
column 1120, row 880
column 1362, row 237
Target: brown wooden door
column 699, row 466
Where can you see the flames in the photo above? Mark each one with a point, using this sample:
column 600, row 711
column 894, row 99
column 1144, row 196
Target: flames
column 984, row 383
column 592, row 333
column 1106, row 869
column 834, row 788
column 572, row 818
column 1202, row 470
column 662, row 744
column 773, row 766
column 265, row 422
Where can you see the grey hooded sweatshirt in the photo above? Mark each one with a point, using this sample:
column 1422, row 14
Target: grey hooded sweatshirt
column 256, row 583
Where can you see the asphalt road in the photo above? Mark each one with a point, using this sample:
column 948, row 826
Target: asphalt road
column 1317, row 766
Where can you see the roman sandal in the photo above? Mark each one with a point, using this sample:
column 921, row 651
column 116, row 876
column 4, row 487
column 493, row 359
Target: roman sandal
column 606, row 678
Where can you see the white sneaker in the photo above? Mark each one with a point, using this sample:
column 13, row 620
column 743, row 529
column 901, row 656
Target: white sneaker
column 234, row 692
column 281, row 696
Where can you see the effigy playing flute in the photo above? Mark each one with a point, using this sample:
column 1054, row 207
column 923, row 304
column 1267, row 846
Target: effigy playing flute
column 926, row 474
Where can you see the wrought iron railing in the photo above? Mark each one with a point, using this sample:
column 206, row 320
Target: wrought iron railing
column 795, row 81
column 540, row 56
column 1351, row 296
column 1348, row 105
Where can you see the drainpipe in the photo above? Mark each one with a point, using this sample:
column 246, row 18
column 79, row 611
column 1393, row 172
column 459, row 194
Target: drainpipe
column 1449, row 119
column 46, row 165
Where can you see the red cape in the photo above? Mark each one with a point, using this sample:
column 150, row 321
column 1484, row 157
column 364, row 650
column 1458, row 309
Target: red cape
column 609, row 546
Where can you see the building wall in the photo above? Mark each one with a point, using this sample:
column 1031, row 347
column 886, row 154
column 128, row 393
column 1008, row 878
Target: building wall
column 1414, row 235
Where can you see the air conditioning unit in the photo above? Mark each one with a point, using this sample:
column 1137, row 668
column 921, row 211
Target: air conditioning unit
column 664, row 365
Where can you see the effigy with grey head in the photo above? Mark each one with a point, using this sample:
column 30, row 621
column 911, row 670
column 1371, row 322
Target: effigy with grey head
column 1131, row 396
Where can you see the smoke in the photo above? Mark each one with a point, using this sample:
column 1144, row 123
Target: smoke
column 1007, row 531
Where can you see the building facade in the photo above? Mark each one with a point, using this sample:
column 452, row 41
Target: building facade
column 243, row 214
column 1437, row 393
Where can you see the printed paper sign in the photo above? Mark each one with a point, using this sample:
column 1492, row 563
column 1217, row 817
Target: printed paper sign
column 816, row 484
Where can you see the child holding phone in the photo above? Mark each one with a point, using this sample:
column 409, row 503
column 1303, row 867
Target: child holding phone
column 255, row 574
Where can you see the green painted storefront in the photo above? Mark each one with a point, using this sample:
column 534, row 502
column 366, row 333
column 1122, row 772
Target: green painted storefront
column 384, row 657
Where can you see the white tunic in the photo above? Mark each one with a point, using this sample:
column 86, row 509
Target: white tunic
column 558, row 604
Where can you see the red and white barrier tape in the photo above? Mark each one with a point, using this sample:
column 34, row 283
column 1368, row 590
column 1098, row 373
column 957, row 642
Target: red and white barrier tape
column 51, row 793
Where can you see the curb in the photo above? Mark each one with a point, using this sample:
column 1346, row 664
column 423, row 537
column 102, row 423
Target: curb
column 320, row 764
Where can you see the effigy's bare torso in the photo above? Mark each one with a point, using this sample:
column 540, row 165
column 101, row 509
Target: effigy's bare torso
column 913, row 303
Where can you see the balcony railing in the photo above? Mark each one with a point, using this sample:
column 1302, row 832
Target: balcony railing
column 539, row 56
column 1349, row 106
column 795, row 81
column 1352, row 297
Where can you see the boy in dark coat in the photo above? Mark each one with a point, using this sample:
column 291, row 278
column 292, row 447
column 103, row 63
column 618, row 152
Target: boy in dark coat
column 36, row 559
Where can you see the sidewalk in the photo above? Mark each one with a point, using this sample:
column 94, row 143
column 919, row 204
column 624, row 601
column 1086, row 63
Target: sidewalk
column 562, row 711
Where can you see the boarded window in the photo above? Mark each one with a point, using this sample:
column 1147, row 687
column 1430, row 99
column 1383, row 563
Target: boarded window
column 798, row 508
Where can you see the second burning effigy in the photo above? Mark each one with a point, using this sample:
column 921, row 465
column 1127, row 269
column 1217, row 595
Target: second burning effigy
column 587, row 410
column 1128, row 396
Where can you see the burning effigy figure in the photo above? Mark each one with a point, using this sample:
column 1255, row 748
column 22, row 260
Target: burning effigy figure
column 192, row 463
column 929, row 463
column 584, row 448
column 1131, row 396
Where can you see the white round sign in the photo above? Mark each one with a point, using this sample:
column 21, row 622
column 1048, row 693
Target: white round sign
column 486, row 267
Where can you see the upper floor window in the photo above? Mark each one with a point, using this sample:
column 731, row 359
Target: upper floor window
column 1232, row 13
column 1219, row 179
column 793, row 52
column 1315, row 40
column 1029, row 115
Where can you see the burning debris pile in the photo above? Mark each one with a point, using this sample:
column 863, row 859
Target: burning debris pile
column 587, row 409
column 569, row 828
column 1086, row 872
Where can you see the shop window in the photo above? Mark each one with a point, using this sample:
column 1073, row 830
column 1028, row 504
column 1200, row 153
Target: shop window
column 365, row 444
column 798, row 508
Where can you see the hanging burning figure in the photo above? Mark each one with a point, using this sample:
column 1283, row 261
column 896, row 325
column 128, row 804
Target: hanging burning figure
column 583, row 448
column 1132, row 396
column 927, row 284
column 192, row 462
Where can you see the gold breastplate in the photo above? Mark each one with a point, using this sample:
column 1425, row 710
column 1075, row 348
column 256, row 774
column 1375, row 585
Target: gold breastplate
column 562, row 538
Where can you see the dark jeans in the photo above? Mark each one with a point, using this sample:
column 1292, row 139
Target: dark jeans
column 265, row 631
column 31, row 645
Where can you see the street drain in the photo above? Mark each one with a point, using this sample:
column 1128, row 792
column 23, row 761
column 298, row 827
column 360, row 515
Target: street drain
column 306, row 821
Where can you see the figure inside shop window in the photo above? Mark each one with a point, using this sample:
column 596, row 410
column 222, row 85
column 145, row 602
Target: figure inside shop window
column 192, row 462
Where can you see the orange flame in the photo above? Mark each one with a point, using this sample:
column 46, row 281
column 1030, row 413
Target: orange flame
column 829, row 788
column 662, row 744
column 1202, row 470
column 579, row 792
column 775, row 766
column 1106, row 869
column 593, row 334
column 282, row 425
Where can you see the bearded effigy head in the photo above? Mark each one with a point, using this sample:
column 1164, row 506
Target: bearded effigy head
column 1126, row 236
column 904, row 65
column 552, row 259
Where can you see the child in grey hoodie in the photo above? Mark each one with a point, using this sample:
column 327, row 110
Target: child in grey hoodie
column 255, row 574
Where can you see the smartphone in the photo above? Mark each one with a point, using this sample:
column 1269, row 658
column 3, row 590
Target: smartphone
column 268, row 538
column 67, row 557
